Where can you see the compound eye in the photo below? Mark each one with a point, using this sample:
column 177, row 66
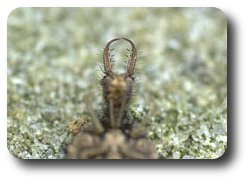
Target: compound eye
column 133, row 78
column 106, row 80
column 130, row 79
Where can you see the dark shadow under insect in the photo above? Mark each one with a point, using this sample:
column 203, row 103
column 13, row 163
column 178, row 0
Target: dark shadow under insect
column 112, row 137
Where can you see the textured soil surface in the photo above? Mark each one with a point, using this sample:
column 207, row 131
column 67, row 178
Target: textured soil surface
column 53, row 58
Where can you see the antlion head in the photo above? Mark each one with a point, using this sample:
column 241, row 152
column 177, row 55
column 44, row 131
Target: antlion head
column 117, row 88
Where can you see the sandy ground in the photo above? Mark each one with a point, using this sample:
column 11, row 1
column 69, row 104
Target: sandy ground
column 53, row 58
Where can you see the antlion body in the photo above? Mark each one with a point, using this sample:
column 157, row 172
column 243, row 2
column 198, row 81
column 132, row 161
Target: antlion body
column 111, row 138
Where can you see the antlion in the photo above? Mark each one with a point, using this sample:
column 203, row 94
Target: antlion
column 111, row 138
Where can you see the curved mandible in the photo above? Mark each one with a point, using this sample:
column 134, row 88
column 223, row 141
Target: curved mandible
column 131, row 61
column 132, row 58
column 106, row 58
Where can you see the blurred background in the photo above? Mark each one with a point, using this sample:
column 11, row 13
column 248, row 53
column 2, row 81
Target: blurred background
column 54, row 56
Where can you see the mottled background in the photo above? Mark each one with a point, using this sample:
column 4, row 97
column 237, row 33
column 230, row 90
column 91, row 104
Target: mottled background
column 53, row 55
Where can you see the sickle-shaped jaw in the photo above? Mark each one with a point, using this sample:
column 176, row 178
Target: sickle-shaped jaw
column 132, row 58
column 107, row 60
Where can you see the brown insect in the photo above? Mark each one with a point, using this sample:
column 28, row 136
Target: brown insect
column 112, row 137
